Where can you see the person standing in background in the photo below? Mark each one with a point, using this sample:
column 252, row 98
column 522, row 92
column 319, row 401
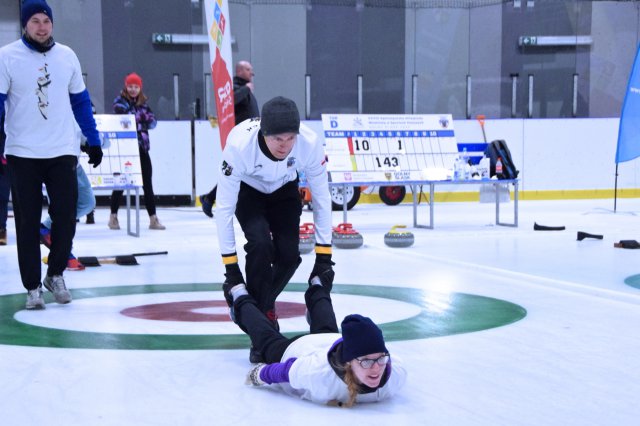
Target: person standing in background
column 245, row 107
column 42, row 87
column 133, row 101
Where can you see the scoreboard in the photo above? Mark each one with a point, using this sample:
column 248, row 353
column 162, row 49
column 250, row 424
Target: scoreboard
column 389, row 148
column 121, row 162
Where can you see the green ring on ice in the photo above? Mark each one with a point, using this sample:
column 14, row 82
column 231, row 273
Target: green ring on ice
column 441, row 314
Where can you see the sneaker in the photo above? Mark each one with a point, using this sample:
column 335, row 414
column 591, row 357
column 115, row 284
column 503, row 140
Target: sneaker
column 45, row 236
column 74, row 264
column 91, row 220
column 35, row 299
column 3, row 237
column 206, row 206
column 113, row 222
column 56, row 286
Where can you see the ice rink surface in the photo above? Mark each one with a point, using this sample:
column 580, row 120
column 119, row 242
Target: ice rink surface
column 573, row 359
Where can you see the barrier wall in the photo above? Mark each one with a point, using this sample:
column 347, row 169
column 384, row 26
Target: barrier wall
column 557, row 158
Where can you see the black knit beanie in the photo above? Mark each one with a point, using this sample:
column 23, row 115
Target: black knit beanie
column 279, row 115
column 360, row 336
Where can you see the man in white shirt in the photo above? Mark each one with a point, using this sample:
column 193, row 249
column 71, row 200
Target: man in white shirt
column 258, row 183
column 42, row 87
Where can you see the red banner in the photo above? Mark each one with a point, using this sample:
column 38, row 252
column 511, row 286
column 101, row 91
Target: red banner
column 223, row 89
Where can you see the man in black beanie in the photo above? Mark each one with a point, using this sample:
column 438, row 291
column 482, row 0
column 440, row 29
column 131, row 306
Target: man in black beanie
column 258, row 183
column 42, row 146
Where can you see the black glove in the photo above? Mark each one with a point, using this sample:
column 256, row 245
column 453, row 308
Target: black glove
column 323, row 270
column 95, row 155
column 84, row 148
column 233, row 277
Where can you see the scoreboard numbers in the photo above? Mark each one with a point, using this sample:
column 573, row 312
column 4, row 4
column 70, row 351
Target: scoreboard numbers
column 388, row 148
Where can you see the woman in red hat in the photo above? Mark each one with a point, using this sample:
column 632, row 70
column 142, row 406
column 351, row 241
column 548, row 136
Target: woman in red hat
column 133, row 101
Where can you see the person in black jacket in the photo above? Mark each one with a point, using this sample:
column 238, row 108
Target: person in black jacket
column 245, row 107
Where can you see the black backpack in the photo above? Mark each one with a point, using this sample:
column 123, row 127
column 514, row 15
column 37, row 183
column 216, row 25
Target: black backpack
column 499, row 149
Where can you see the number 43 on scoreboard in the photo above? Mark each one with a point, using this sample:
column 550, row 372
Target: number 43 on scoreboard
column 375, row 148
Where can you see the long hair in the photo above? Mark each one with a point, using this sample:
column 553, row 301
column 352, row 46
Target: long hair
column 140, row 100
column 352, row 386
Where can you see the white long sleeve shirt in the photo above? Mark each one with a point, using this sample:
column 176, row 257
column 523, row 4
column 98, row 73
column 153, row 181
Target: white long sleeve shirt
column 244, row 161
column 40, row 122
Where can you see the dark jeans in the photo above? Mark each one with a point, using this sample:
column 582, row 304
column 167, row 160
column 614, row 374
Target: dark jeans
column 266, row 338
column 271, row 225
column 59, row 176
column 147, row 186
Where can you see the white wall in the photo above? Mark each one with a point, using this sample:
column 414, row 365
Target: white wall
column 207, row 156
column 171, row 157
column 559, row 154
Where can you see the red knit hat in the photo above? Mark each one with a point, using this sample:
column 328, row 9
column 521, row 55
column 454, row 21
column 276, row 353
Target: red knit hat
column 133, row 78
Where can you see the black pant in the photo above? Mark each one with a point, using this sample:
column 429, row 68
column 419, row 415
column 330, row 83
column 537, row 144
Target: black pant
column 271, row 225
column 211, row 196
column 266, row 338
column 147, row 185
column 5, row 190
column 59, row 176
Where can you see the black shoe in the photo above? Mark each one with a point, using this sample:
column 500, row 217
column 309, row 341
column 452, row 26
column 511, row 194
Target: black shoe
column 91, row 220
column 537, row 227
column 206, row 206
column 627, row 244
column 583, row 235
column 255, row 357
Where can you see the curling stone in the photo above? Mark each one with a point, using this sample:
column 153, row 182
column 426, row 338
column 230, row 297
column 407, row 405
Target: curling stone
column 395, row 238
column 344, row 236
column 307, row 238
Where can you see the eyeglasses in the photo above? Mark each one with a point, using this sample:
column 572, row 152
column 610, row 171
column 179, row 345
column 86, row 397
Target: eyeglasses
column 367, row 363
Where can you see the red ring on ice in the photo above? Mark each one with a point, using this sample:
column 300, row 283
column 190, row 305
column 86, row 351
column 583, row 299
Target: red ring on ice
column 186, row 311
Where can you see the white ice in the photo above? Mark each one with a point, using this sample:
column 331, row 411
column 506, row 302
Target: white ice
column 573, row 360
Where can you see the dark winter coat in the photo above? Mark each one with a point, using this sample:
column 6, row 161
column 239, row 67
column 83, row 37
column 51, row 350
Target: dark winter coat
column 245, row 104
column 145, row 119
